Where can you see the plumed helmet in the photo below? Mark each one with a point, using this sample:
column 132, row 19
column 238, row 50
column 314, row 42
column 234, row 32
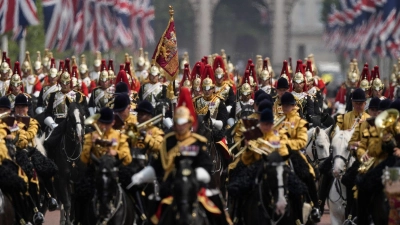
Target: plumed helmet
column 219, row 67
column 97, row 61
column 265, row 74
column 16, row 77
column 299, row 75
column 309, row 72
column 5, row 67
column 104, row 72
column 245, row 89
column 185, row 111
column 26, row 65
column 111, row 72
column 154, row 71
column 365, row 83
column 377, row 83
column 208, row 78
column 53, row 70
column 38, row 62
column 141, row 60
column 83, row 66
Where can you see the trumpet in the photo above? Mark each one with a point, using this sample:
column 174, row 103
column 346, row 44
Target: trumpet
column 278, row 121
column 101, row 145
column 134, row 130
column 91, row 121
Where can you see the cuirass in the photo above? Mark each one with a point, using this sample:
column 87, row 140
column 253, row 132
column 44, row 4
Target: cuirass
column 202, row 106
column 12, row 97
column 59, row 106
column 246, row 109
column 152, row 92
column 4, row 87
column 101, row 102
column 223, row 91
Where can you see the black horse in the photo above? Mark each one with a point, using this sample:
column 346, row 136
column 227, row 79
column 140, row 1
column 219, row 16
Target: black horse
column 111, row 204
column 266, row 202
column 216, row 152
column 185, row 209
column 7, row 216
column 64, row 147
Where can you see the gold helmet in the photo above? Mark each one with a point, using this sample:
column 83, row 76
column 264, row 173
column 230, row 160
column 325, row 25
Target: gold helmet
column 46, row 59
column 66, row 74
column 104, row 76
column 353, row 75
column 26, row 66
column 245, row 89
column 154, row 71
column 265, row 74
column 16, row 77
column 365, row 83
column 186, row 77
column 141, row 60
column 219, row 67
column 97, row 61
column 377, row 83
column 208, row 78
column 83, row 67
column 53, row 70
column 309, row 72
column 299, row 76
column 111, row 72
column 5, row 67
column 38, row 62
column 74, row 74
column 285, row 72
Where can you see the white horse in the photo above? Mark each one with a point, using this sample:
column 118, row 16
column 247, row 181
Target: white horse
column 318, row 143
column 342, row 159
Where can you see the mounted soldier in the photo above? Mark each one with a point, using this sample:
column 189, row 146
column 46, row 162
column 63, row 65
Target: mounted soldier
column 244, row 107
column 103, row 94
column 343, row 97
column 223, row 86
column 377, row 85
column 31, row 82
column 84, row 75
column 57, row 108
column 154, row 90
column 265, row 80
column 39, row 68
column 195, row 75
column 50, row 86
column 313, row 90
column 141, row 71
column 95, row 74
column 5, row 71
column 122, row 87
column 77, row 83
column 365, row 84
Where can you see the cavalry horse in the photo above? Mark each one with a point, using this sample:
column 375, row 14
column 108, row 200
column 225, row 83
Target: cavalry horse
column 266, row 203
column 341, row 160
column 185, row 208
column 111, row 204
column 216, row 152
column 64, row 147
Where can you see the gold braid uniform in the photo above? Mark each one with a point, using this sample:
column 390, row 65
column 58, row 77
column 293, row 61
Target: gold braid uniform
column 277, row 108
column 240, row 129
column 361, row 135
column 346, row 121
column 18, row 130
column 119, row 144
column 296, row 128
column 3, row 148
column 29, row 132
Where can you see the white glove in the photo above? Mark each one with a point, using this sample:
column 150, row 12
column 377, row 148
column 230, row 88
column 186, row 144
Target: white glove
column 217, row 123
column 91, row 111
column 50, row 122
column 168, row 122
column 36, row 94
column 202, row 175
column 231, row 122
column 146, row 175
column 228, row 108
column 41, row 76
column 39, row 110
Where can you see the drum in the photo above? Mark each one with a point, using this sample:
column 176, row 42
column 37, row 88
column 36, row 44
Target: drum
column 391, row 180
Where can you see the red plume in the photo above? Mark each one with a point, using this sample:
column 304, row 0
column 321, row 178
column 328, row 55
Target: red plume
column 205, row 60
column 185, row 99
column 67, row 66
column 377, row 75
column 364, row 75
column 285, row 70
column 197, row 70
column 121, row 76
column 186, row 76
column 186, row 66
column 299, row 67
column 309, row 66
column 246, row 77
column 372, row 74
column 4, row 58
column 52, row 63
column 208, row 72
column 111, row 65
column 74, row 74
column 249, row 62
column 219, row 62
column 61, row 66
column 8, row 60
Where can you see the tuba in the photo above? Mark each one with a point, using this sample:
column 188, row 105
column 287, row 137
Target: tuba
column 384, row 122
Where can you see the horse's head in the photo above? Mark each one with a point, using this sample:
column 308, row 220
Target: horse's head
column 185, row 190
column 204, row 125
column 318, row 143
column 106, row 177
column 341, row 155
column 75, row 119
column 274, row 179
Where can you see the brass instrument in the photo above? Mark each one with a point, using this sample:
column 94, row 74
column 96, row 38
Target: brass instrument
column 91, row 121
column 278, row 121
column 384, row 122
column 101, row 145
column 133, row 130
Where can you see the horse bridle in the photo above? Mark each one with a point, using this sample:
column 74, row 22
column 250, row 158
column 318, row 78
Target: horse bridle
column 69, row 158
column 314, row 152
column 114, row 210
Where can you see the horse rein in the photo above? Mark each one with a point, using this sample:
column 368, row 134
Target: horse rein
column 264, row 208
column 314, row 152
column 114, row 209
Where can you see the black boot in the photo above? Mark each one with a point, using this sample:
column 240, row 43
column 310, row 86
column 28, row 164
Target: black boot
column 315, row 214
column 324, row 189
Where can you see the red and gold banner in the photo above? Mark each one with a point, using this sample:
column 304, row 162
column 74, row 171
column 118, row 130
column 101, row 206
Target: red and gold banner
column 166, row 53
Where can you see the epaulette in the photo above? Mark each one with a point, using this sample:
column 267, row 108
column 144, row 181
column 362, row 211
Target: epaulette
column 82, row 95
column 28, row 95
column 170, row 134
column 339, row 118
column 229, row 83
column 199, row 137
column 197, row 97
column 219, row 96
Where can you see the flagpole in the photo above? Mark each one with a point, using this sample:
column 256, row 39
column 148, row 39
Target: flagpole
column 22, row 49
column 4, row 43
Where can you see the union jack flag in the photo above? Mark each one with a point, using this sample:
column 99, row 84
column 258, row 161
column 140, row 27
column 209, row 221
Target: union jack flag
column 16, row 15
column 98, row 24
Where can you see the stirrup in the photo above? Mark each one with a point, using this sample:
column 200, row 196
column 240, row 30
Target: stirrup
column 38, row 217
column 315, row 215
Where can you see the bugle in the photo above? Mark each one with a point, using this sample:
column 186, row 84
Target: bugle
column 91, row 121
column 278, row 121
column 133, row 130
